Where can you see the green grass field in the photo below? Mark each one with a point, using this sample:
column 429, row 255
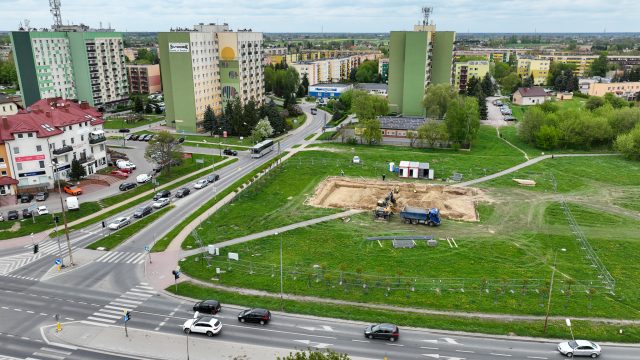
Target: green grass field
column 502, row 264
column 118, row 123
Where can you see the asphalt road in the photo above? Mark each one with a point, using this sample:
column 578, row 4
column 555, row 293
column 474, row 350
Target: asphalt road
column 97, row 293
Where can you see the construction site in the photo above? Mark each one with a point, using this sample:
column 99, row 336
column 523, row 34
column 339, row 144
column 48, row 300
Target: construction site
column 454, row 203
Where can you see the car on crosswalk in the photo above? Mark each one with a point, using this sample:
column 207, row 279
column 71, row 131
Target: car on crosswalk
column 119, row 222
column 205, row 325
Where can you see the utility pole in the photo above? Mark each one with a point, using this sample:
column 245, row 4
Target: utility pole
column 64, row 213
column 553, row 273
column 55, row 221
column 281, row 277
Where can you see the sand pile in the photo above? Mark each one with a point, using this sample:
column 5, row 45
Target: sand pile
column 455, row 203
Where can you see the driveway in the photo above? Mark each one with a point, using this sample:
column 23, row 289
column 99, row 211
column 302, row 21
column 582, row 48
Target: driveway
column 494, row 117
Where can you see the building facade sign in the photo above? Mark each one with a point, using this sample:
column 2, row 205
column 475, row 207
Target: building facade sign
column 29, row 158
column 33, row 173
column 178, row 47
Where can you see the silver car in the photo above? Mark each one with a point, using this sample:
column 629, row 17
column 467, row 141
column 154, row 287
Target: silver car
column 579, row 348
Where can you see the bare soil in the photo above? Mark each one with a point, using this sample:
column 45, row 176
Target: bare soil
column 456, row 203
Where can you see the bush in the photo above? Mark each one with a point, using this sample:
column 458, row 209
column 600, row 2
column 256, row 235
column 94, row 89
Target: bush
column 629, row 144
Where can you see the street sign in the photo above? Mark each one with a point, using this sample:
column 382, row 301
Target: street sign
column 199, row 161
column 146, row 248
column 58, row 262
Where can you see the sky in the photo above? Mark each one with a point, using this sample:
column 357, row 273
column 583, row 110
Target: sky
column 355, row 16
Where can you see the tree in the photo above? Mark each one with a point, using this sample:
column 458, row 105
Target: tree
column 262, row 130
column 164, row 150
column 510, row 83
column 594, row 102
column 623, row 120
column 500, row 70
column 483, row 110
column 432, row 132
column 487, row 85
column 629, row 144
column 305, row 83
column 547, row 137
column 473, row 86
column 563, row 71
column 315, row 355
column 276, row 121
column 615, row 101
column 236, row 118
column 528, row 81
column 138, row 105
column 77, row 170
column 599, row 66
column 530, row 125
column 463, row 120
column 210, row 123
column 437, row 98
column 367, row 72
column 148, row 109
column 367, row 107
column 371, row 132
column 250, row 116
column 269, row 78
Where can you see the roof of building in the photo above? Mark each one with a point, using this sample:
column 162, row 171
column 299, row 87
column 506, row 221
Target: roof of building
column 336, row 85
column 5, row 180
column 401, row 122
column 5, row 99
column 535, row 91
column 46, row 117
column 372, row 86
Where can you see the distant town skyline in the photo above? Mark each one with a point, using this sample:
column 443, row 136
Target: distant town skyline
column 373, row 16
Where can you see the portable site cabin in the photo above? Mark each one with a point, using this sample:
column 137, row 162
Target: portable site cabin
column 416, row 170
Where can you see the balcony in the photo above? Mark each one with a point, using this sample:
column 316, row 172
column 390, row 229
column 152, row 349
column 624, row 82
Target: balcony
column 85, row 159
column 62, row 150
column 97, row 140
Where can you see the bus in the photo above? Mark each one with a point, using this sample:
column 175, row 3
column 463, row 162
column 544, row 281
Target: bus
column 262, row 148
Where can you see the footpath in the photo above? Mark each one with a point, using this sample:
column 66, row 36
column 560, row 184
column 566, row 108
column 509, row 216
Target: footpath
column 44, row 235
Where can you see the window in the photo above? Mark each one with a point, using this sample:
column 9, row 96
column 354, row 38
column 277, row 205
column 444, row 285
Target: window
column 81, row 137
column 19, row 166
column 1, row 159
column 16, row 150
column 30, row 134
column 73, row 141
column 39, row 148
column 41, row 163
column 4, row 173
column 19, row 136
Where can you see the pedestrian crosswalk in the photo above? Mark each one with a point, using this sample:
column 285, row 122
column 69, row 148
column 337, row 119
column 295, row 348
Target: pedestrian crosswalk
column 114, row 312
column 122, row 257
column 49, row 247
column 49, row 353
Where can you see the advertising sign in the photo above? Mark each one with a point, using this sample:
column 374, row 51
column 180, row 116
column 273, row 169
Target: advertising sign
column 178, row 47
column 29, row 158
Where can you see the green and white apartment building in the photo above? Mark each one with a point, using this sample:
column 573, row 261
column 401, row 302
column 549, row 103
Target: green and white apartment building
column 85, row 65
column 418, row 59
column 208, row 65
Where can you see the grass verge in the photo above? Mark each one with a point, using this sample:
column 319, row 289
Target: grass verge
column 114, row 239
column 24, row 227
column 556, row 329
column 327, row 135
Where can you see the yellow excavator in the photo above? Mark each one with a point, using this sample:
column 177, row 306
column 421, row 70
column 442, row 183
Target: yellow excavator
column 384, row 208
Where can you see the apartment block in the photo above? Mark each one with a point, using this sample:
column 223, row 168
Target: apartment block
column 418, row 59
column 464, row 71
column 208, row 65
column 626, row 90
column 144, row 79
column 383, row 69
column 538, row 68
column 330, row 70
column 83, row 65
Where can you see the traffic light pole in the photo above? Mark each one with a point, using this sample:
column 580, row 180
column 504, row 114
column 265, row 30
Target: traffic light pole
column 64, row 217
column 55, row 221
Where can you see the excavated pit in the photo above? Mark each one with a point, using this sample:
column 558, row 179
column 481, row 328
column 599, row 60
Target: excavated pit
column 456, row 203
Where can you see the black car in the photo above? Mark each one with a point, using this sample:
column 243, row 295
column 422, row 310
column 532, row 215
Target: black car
column 42, row 196
column 143, row 211
column 382, row 331
column 260, row 316
column 26, row 213
column 180, row 140
column 207, row 307
column 134, row 137
column 128, row 137
column 162, row 194
column 213, row 177
column 25, row 198
column 13, row 215
column 127, row 186
column 228, row 151
column 182, row 192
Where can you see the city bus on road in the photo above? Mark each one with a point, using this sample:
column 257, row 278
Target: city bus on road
column 262, row 148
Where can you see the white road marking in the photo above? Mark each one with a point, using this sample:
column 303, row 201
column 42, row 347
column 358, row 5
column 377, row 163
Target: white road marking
column 497, row 354
column 101, row 319
column 466, row 351
column 537, row 357
column 430, row 348
column 93, row 323
column 362, row 341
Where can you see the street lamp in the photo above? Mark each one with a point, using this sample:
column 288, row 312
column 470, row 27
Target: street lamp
column 281, row 283
column 187, row 332
column 553, row 273
column 54, row 163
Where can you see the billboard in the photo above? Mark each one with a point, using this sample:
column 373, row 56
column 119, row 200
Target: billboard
column 178, row 47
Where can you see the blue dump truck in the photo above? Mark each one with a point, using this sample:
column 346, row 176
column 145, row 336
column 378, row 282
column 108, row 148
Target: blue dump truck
column 414, row 215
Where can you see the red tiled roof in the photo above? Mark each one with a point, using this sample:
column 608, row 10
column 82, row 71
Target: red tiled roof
column 5, row 180
column 535, row 91
column 45, row 114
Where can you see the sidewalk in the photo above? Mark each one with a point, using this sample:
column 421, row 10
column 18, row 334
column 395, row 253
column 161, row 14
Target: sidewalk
column 26, row 240
column 156, row 345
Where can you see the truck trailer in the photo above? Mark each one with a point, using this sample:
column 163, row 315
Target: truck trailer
column 414, row 215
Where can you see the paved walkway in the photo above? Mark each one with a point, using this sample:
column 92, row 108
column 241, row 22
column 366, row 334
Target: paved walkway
column 524, row 165
column 270, row 232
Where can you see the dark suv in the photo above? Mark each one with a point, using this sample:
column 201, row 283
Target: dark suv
column 228, row 151
column 207, row 307
column 26, row 213
column 13, row 215
column 382, row 331
column 261, row 316
column 127, row 186
column 162, row 194
column 213, row 177
column 143, row 211
column 25, row 198
column 182, row 192
column 42, row 196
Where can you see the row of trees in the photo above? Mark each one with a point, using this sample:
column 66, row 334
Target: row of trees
column 367, row 72
column 148, row 106
column 548, row 127
column 480, row 89
column 8, row 74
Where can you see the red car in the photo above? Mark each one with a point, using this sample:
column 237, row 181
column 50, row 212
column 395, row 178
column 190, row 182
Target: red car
column 125, row 169
column 120, row 173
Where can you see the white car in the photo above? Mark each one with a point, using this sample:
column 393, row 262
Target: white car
column 205, row 325
column 579, row 348
column 143, row 178
column 162, row 202
column 200, row 184
column 119, row 223
column 123, row 164
column 356, row 159
column 42, row 210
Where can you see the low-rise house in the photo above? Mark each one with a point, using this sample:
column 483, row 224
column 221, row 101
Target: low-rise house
column 530, row 96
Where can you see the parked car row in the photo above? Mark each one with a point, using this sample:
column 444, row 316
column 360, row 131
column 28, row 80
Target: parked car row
column 140, row 137
column 27, row 197
column 26, row 214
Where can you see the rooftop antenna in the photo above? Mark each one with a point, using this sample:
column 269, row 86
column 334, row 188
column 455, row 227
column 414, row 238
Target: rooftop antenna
column 54, row 6
column 427, row 11
column 26, row 24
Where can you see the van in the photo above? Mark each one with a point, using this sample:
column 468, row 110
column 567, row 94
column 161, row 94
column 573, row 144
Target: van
column 72, row 203
column 143, row 178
